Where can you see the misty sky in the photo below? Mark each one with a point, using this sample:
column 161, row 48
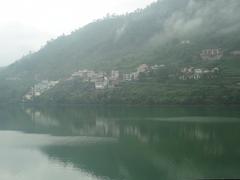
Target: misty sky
column 27, row 24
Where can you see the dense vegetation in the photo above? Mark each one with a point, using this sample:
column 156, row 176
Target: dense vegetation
column 144, row 93
column 153, row 35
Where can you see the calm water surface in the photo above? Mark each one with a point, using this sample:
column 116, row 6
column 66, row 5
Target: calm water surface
column 119, row 143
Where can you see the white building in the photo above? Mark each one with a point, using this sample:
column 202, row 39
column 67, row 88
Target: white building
column 127, row 77
column 143, row 68
column 185, row 42
column 135, row 75
column 115, row 75
column 85, row 75
column 39, row 89
column 102, row 83
column 235, row 53
column 156, row 67
column 214, row 70
column 28, row 97
column 198, row 71
column 211, row 54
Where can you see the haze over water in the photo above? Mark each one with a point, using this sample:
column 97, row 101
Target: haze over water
column 119, row 143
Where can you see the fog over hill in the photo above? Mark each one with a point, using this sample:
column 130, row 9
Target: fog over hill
column 119, row 40
column 27, row 25
column 17, row 39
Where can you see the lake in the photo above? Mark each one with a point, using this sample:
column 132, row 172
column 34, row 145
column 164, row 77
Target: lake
column 119, row 143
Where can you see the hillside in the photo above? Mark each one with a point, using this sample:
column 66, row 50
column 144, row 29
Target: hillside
column 169, row 32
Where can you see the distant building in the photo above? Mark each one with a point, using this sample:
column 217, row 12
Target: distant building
column 28, row 97
column 115, row 75
column 39, row 89
column 211, row 54
column 80, row 73
column 143, row 68
column 214, row 70
column 127, row 77
column 185, row 42
column 13, row 79
column 156, row 67
column 197, row 76
column 198, row 71
column 135, row 75
column 187, row 70
column 85, row 75
column 37, row 93
column 102, row 83
column 193, row 73
column 235, row 53
column 114, row 79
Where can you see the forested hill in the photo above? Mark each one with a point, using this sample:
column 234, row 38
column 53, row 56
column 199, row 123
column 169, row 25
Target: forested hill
column 171, row 32
column 151, row 35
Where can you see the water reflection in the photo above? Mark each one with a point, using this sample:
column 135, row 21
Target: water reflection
column 27, row 164
column 119, row 143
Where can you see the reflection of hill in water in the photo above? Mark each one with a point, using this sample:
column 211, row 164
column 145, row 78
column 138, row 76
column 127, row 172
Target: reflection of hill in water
column 105, row 121
column 146, row 148
column 160, row 150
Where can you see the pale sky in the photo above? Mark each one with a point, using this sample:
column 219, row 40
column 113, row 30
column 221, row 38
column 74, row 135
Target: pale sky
column 25, row 25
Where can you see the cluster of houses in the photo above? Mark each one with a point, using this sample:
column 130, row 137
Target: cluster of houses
column 103, row 80
column 197, row 73
column 39, row 89
column 216, row 54
column 143, row 68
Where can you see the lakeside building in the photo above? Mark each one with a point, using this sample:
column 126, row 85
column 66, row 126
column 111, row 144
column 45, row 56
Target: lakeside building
column 39, row 89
